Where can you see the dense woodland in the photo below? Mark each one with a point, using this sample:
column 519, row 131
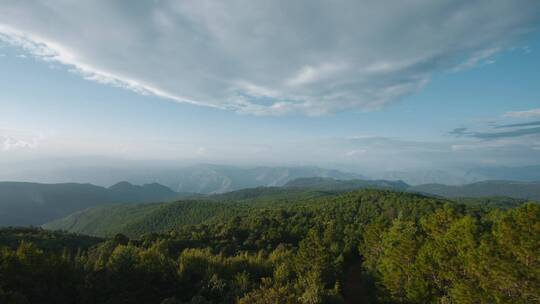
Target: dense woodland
column 133, row 220
column 369, row 246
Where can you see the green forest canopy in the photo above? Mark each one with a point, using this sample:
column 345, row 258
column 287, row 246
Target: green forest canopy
column 369, row 246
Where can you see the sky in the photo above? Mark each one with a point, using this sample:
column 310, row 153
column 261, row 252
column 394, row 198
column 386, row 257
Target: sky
column 381, row 85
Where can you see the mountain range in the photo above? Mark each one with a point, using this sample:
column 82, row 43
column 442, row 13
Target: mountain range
column 214, row 178
column 209, row 179
column 513, row 189
column 460, row 176
column 35, row 204
column 494, row 188
column 331, row 184
column 200, row 178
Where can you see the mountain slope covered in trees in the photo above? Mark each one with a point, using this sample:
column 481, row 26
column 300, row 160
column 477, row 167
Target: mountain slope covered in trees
column 137, row 219
column 369, row 246
column 36, row 204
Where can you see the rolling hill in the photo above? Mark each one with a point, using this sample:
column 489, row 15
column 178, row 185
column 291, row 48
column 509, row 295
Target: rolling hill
column 136, row 219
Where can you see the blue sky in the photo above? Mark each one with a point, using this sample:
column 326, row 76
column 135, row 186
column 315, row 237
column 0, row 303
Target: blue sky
column 238, row 88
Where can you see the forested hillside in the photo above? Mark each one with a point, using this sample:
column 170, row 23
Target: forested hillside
column 369, row 246
column 36, row 204
column 23, row 204
column 136, row 219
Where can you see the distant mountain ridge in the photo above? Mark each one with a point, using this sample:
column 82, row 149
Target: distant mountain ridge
column 458, row 176
column 500, row 194
column 513, row 189
column 326, row 183
column 210, row 179
column 495, row 188
column 35, row 204
column 200, row 178
column 127, row 192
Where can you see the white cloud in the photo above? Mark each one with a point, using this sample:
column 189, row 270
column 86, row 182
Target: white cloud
column 11, row 143
column 18, row 140
column 201, row 150
column 478, row 58
column 53, row 52
column 267, row 57
column 356, row 152
column 533, row 113
column 309, row 74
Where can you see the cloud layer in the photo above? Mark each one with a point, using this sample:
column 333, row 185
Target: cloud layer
column 267, row 57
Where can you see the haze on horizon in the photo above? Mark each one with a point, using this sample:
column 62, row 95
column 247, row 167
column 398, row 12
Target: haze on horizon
column 341, row 84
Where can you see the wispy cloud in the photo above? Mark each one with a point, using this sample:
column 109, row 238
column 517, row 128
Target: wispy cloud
column 525, row 124
column 478, row 58
column 51, row 51
column 494, row 131
column 533, row 113
column 462, row 131
column 513, row 133
column 310, row 57
column 356, row 152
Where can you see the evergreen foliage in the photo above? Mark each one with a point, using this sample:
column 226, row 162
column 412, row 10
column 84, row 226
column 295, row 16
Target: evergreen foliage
column 391, row 247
